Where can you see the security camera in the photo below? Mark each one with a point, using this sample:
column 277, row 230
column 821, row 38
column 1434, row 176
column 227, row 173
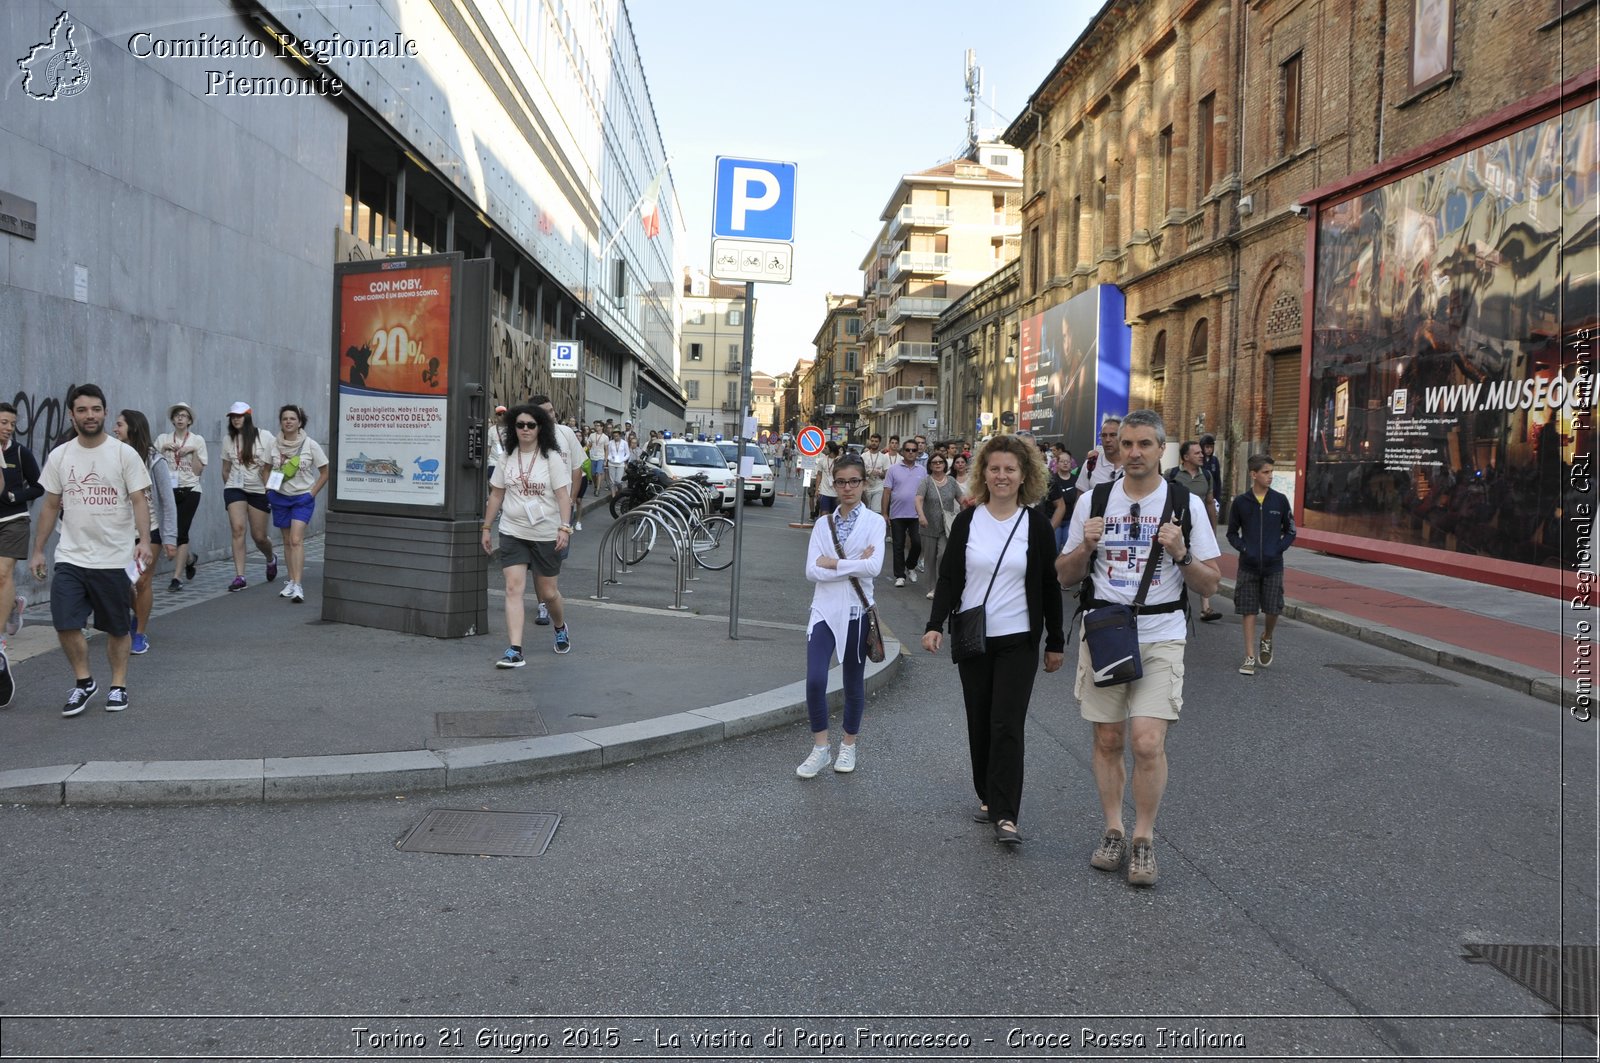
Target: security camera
column 1299, row 210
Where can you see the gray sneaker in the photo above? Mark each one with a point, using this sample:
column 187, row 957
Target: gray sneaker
column 1112, row 851
column 820, row 758
column 1142, row 863
column 1248, row 667
column 1264, row 654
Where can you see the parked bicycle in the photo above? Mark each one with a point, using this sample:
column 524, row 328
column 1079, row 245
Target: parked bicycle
column 680, row 511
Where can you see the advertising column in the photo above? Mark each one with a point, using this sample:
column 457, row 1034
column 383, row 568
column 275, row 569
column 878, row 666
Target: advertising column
column 410, row 370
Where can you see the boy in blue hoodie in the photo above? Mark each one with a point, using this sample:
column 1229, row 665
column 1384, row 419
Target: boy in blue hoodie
column 1261, row 528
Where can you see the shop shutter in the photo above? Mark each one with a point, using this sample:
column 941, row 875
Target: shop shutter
column 1284, row 441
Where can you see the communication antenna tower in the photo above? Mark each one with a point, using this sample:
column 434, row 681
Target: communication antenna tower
column 972, row 79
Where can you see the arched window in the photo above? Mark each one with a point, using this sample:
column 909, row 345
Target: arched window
column 1197, row 344
column 1158, row 371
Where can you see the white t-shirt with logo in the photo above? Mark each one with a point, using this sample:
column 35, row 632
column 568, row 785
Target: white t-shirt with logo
column 571, row 448
column 529, row 510
column 95, row 485
column 247, row 478
column 312, row 458
column 1119, row 561
column 183, row 453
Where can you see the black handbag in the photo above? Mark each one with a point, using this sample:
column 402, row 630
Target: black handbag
column 969, row 628
column 871, row 633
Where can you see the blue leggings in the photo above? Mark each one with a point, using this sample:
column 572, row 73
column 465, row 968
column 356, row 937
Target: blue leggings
column 819, row 658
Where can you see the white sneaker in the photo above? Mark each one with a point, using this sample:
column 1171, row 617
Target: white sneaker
column 930, row 596
column 847, row 759
column 299, row 594
column 912, row 575
column 900, row 581
column 288, row 589
column 577, row 525
column 818, row 760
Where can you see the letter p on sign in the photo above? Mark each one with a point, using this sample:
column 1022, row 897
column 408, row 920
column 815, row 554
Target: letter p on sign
column 744, row 179
column 755, row 199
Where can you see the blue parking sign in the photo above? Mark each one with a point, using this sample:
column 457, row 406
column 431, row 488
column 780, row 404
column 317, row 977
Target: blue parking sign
column 755, row 199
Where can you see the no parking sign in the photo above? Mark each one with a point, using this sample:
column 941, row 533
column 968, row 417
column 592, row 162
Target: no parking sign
column 810, row 441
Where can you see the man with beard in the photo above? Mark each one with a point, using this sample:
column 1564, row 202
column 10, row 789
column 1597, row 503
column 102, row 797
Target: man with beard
column 98, row 486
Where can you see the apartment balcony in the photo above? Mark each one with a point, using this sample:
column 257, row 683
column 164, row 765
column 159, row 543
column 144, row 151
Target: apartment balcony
column 908, row 352
column 923, row 215
column 895, row 398
column 919, row 262
column 887, row 247
column 864, row 406
column 735, row 367
column 915, row 306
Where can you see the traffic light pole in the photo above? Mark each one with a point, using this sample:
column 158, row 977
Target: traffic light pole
column 738, row 483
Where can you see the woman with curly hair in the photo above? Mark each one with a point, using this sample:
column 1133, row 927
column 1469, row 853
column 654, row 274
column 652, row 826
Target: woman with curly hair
column 1000, row 558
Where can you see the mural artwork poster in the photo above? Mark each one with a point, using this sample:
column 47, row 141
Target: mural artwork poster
column 1452, row 389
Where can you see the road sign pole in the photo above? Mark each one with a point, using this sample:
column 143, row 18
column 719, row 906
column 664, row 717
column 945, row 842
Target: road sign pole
column 738, row 483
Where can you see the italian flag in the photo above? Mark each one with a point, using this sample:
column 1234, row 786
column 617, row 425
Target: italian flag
column 650, row 207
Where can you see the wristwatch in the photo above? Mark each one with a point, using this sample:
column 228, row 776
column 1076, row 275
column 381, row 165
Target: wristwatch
column 1187, row 559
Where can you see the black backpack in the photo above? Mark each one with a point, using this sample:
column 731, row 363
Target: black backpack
column 1177, row 502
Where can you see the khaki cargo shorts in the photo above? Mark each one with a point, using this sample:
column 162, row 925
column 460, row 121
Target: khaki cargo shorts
column 1159, row 693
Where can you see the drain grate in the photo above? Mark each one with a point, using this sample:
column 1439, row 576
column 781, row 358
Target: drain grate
column 1391, row 674
column 514, row 723
column 461, row 832
column 1561, row 976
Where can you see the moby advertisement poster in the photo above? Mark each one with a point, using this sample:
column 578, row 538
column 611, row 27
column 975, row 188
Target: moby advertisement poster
column 393, row 351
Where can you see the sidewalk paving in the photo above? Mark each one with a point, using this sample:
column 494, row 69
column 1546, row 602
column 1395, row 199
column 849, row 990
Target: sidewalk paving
column 240, row 697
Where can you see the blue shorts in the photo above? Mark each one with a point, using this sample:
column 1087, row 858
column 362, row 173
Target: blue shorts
column 287, row 508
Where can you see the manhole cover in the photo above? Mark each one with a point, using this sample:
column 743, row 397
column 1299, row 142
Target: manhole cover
column 1561, row 976
column 476, row 833
column 1391, row 673
column 513, row 723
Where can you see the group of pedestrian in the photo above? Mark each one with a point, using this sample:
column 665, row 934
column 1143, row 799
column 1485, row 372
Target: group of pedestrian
column 1118, row 531
column 120, row 494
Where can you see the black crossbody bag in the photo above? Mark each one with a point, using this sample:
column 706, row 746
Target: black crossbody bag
column 969, row 628
column 871, row 632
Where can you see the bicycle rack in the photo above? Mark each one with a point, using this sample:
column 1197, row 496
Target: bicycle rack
column 612, row 566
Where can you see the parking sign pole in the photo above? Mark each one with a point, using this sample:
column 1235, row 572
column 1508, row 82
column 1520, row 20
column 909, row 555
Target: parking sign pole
column 738, row 483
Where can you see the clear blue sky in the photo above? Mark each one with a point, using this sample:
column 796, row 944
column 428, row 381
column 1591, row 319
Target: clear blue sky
column 857, row 93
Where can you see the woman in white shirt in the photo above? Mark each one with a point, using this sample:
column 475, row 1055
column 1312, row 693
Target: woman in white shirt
column 1001, row 559
column 299, row 473
column 134, row 430
column 835, row 623
column 185, row 452
column 531, row 493
column 244, row 454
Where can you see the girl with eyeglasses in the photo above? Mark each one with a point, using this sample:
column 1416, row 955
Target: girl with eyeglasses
column 531, row 493
column 843, row 575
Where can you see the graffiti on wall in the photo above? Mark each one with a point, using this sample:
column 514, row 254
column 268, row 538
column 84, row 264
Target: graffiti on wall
column 40, row 419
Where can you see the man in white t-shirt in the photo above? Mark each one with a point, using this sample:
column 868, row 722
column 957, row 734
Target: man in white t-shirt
column 1102, row 464
column 1113, row 549
column 877, row 463
column 97, row 485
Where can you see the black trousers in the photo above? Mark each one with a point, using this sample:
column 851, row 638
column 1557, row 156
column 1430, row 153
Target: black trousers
column 996, row 689
column 901, row 529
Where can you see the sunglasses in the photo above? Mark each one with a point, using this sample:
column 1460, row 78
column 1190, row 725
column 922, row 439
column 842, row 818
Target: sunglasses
column 1135, row 532
column 527, row 424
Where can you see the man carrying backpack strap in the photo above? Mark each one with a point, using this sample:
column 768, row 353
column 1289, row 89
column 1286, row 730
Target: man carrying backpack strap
column 1112, row 550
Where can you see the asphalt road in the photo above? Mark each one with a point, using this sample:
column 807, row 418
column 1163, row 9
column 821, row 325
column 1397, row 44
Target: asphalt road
column 1328, row 845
